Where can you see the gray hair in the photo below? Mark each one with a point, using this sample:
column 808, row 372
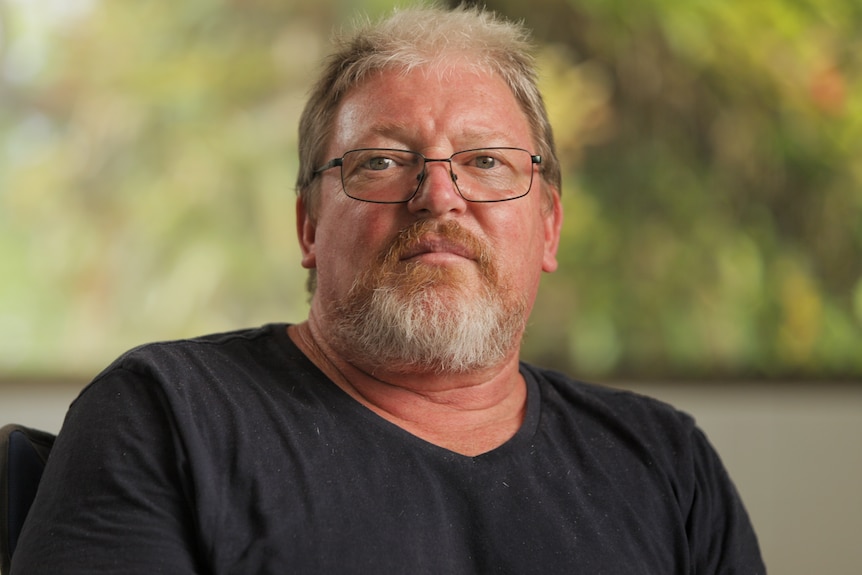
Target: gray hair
column 423, row 37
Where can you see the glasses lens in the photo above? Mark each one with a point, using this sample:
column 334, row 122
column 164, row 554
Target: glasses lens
column 493, row 174
column 390, row 176
column 381, row 175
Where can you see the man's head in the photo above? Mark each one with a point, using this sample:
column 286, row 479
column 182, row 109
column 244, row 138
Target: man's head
column 428, row 249
column 418, row 38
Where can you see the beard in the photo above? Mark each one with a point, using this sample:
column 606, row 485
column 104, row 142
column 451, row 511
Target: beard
column 413, row 317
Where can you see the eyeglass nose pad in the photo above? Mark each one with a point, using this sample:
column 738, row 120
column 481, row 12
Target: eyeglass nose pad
column 420, row 177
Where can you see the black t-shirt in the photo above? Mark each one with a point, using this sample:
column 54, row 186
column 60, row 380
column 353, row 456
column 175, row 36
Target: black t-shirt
column 233, row 453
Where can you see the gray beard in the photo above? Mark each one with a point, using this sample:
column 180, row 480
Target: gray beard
column 417, row 318
column 428, row 330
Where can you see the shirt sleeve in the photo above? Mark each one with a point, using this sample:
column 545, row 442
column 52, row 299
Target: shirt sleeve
column 722, row 539
column 113, row 495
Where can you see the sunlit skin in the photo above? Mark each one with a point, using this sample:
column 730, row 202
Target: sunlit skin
column 437, row 116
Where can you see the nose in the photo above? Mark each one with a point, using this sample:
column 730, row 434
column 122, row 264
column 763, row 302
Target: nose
column 437, row 193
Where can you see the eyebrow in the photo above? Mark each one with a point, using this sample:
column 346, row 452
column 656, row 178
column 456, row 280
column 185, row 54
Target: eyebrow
column 404, row 132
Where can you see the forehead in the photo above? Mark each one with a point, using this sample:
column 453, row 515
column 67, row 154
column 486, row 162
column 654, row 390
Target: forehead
column 425, row 104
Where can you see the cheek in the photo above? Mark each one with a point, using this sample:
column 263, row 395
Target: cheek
column 348, row 240
column 520, row 251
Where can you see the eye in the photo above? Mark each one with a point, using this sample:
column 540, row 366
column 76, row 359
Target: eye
column 485, row 162
column 378, row 163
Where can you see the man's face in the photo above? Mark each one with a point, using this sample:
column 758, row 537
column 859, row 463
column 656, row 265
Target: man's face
column 459, row 248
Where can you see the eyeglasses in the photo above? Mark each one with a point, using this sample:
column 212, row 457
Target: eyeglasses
column 387, row 176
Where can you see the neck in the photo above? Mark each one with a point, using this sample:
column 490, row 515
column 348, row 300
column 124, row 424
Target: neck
column 469, row 413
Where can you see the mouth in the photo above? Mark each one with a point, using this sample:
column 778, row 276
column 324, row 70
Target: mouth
column 436, row 246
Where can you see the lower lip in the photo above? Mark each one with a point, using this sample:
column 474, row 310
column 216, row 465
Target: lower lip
column 437, row 258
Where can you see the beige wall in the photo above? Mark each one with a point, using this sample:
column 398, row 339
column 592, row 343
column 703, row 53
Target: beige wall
column 795, row 452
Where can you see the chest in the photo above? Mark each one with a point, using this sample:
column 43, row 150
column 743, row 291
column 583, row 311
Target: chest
column 343, row 499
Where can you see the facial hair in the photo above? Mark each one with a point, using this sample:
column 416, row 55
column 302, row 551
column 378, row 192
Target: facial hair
column 412, row 317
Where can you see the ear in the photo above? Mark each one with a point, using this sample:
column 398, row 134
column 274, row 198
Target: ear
column 553, row 226
column 306, row 230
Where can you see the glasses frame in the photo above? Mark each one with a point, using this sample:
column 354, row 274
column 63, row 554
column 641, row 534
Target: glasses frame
column 535, row 159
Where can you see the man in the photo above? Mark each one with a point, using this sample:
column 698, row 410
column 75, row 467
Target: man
column 395, row 431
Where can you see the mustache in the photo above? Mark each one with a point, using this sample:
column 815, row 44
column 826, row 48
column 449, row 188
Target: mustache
column 409, row 238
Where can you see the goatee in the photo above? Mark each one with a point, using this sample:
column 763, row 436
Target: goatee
column 411, row 317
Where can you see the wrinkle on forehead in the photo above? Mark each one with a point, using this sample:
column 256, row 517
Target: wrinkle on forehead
column 387, row 94
column 406, row 133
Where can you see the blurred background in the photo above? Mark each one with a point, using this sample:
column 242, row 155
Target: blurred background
column 712, row 247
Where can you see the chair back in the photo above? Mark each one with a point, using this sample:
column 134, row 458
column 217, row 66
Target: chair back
column 23, row 454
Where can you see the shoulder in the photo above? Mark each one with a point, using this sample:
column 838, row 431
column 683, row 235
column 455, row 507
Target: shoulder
column 202, row 364
column 646, row 442
column 217, row 384
column 235, row 344
column 644, row 426
column 205, row 352
column 558, row 388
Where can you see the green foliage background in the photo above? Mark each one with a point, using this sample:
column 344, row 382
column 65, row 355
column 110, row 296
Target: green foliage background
column 713, row 188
